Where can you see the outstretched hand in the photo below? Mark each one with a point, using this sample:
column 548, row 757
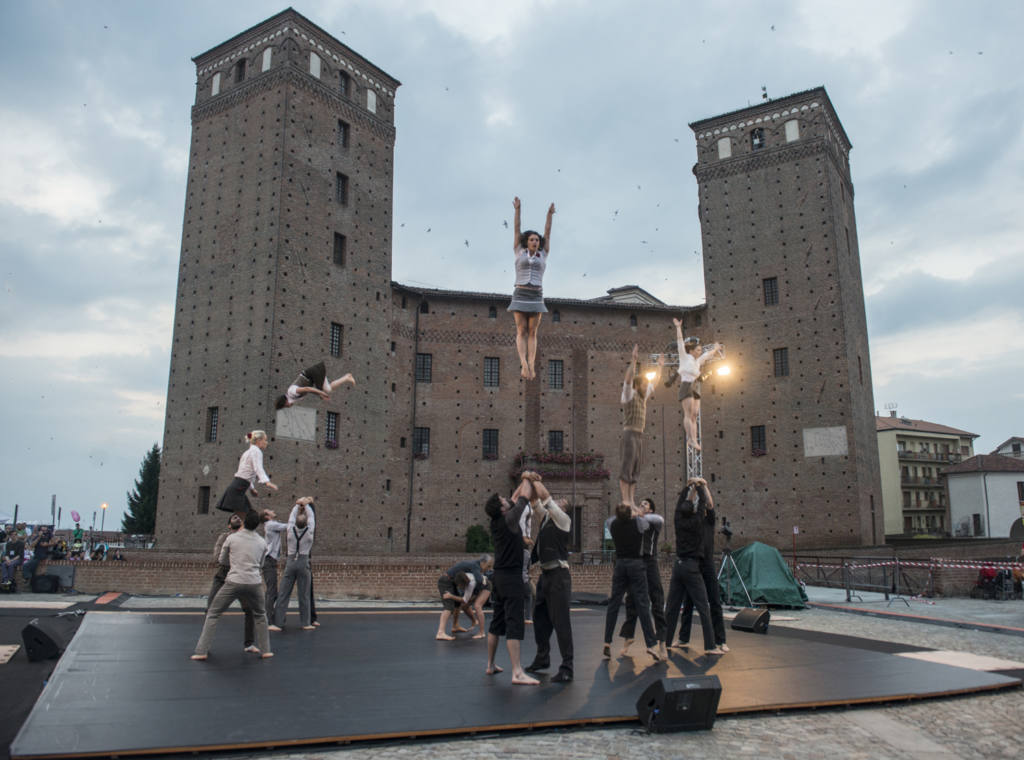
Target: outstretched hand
column 677, row 322
column 515, row 203
column 551, row 209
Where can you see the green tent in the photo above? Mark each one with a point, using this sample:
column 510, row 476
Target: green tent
column 766, row 575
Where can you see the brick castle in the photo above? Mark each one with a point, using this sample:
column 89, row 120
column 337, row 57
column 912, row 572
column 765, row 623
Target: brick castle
column 286, row 261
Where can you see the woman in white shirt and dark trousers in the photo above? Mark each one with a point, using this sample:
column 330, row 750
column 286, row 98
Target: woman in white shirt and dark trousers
column 250, row 471
column 527, row 307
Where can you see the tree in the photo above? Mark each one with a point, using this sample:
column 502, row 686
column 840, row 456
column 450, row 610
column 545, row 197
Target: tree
column 141, row 515
column 478, row 540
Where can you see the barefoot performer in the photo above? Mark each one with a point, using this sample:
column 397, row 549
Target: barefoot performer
column 250, row 470
column 635, row 395
column 312, row 380
column 692, row 357
column 527, row 307
column 508, row 619
column 458, row 586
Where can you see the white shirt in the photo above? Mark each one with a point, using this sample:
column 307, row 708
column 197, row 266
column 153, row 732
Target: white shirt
column 250, row 466
column 628, row 391
column 244, row 551
column 273, row 530
column 689, row 366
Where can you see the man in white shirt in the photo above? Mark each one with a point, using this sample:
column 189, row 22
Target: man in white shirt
column 243, row 552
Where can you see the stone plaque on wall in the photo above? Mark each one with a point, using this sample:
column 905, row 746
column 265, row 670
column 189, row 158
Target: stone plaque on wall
column 825, row 442
column 296, row 422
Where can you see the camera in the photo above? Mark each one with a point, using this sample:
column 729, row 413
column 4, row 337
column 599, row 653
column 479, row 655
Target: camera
column 725, row 530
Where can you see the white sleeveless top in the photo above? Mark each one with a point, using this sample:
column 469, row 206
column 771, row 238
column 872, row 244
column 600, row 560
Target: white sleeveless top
column 530, row 269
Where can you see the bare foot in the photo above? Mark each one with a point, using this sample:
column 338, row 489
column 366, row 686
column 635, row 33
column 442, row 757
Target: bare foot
column 524, row 680
column 274, row 628
column 716, row 650
column 444, row 637
column 524, row 373
column 459, row 629
column 723, row 647
column 198, row 657
column 493, row 669
column 654, row 652
column 480, row 635
column 266, row 655
column 309, row 627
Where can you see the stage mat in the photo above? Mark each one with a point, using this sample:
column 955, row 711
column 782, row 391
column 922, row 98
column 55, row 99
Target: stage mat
column 125, row 684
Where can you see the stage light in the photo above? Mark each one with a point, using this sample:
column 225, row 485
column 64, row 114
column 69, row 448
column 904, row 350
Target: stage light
column 651, row 375
column 723, row 370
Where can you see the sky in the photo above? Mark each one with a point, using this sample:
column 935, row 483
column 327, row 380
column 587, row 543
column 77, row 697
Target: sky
column 584, row 104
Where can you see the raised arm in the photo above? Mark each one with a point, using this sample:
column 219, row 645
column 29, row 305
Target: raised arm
column 547, row 229
column 515, row 226
column 627, row 381
column 680, row 343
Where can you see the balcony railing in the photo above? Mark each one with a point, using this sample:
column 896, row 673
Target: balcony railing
column 931, row 456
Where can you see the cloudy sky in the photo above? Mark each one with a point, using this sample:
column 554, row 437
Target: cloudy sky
column 581, row 103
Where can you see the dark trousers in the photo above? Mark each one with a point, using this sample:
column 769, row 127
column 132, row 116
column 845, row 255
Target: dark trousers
column 630, row 575
column 551, row 613
column 250, row 621
column 657, row 595
column 687, row 581
column 312, row 597
column 707, row 572
column 270, row 581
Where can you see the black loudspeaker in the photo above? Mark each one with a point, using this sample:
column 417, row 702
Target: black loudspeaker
column 752, row 620
column 680, row 704
column 47, row 638
column 45, row 584
column 65, row 575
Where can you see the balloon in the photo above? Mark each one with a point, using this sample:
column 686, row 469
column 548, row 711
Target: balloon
column 75, row 516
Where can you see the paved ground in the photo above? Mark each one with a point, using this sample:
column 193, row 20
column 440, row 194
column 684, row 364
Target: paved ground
column 985, row 726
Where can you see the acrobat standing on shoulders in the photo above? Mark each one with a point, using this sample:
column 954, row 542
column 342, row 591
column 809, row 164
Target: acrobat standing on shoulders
column 637, row 390
column 312, row 380
column 692, row 356
column 527, row 307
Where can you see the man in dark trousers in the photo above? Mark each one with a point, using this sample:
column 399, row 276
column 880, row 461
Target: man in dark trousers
column 509, row 596
column 554, row 587
column 627, row 528
column 706, row 510
column 649, row 554
column 686, row 577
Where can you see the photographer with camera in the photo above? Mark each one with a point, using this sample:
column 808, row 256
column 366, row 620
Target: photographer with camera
column 686, row 575
column 706, row 509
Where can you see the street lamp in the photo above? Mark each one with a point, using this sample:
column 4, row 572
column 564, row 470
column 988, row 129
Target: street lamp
column 103, row 520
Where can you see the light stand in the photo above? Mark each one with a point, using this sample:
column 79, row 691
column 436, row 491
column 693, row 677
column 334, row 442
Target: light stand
column 728, row 561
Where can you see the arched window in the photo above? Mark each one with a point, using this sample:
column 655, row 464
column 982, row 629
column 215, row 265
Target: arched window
column 492, row 313
column 757, row 138
column 556, row 316
column 632, row 320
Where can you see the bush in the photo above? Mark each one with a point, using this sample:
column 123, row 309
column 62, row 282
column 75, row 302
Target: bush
column 478, row 540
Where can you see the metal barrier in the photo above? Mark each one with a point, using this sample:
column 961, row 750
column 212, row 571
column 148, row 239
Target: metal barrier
column 886, row 575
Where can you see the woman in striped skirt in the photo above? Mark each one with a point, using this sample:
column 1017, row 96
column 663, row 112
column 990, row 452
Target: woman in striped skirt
column 527, row 307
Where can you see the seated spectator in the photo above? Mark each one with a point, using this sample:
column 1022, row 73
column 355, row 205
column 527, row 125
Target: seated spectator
column 59, row 550
column 14, row 557
column 117, row 555
column 99, row 553
column 41, row 546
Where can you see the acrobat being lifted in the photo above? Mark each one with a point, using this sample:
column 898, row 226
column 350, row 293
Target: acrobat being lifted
column 312, row 380
column 692, row 358
column 527, row 307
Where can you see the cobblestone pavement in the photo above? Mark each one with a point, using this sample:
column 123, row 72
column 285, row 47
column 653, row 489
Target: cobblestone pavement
column 982, row 726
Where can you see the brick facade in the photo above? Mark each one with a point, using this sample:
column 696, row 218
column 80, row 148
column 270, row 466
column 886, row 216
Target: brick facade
column 282, row 163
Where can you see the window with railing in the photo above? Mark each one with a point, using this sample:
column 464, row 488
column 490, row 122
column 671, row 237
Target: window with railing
column 490, row 443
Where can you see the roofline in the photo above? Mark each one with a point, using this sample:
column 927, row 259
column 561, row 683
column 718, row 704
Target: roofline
column 290, row 11
column 695, row 125
column 472, row 295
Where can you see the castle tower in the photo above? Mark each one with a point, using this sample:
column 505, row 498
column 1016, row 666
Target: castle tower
column 789, row 437
column 285, row 262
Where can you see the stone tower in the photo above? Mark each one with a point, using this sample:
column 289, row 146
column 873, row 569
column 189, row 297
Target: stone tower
column 789, row 437
column 285, row 262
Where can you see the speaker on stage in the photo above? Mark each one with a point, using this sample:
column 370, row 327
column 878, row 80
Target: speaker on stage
column 47, row 638
column 44, row 584
column 680, row 704
column 752, row 620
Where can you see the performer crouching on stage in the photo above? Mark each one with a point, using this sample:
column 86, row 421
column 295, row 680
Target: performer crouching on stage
column 508, row 597
column 459, row 586
column 554, row 587
column 686, row 577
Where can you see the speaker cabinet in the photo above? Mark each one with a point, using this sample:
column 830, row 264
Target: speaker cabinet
column 47, row 638
column 45, row 584
column 751, row 620
column 680, row 704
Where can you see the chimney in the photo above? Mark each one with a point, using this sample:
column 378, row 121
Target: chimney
column 892, row 413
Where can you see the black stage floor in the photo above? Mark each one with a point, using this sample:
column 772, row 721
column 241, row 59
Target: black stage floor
column 125, row 684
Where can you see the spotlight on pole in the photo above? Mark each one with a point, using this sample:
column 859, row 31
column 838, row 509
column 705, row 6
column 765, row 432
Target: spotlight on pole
column 723, row 370
column 651, row 375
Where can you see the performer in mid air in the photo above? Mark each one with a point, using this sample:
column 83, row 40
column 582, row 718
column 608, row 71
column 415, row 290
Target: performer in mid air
column 312, row 380
column 250, row 471
column 692, row 356
column 527, row 307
